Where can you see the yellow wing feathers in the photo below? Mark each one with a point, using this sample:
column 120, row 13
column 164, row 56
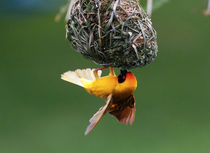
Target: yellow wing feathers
column 80, row 77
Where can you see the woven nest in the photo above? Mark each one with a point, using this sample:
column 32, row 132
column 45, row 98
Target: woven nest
column 115, row 33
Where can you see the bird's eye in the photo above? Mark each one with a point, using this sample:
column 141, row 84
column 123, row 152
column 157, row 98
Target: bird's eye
column 122, row 76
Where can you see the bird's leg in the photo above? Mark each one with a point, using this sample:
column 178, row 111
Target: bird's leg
column 111, row 69
column 95, row 72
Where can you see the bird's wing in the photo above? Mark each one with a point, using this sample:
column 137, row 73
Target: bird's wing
column 79, row 77
column 124, row 110
column 98, row 115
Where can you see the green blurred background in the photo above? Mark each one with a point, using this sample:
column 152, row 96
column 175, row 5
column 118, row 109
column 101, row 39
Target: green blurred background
column 40, row 113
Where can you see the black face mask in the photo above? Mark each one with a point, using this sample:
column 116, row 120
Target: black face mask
column 122, row 76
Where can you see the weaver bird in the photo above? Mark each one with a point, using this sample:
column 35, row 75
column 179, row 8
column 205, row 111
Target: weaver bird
column 117, row 90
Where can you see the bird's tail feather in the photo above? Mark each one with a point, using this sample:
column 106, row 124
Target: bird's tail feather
column 78, row 75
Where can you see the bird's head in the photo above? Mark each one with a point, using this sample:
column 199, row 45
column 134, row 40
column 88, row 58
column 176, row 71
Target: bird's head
column 127, row 83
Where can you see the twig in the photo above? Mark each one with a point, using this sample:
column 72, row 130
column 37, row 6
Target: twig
column 207, row 12
column 71, row 2
column 61, row 13
column 99, row 25
column 149, row 7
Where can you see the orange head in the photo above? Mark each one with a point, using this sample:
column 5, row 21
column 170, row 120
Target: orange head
column 127, row 83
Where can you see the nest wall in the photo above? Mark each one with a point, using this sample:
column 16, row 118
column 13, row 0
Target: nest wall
column 115, row 33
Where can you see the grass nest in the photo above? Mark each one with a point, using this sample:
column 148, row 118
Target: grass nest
column 115, row 33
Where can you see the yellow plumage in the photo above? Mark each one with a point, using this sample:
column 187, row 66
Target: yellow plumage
column 117, row 90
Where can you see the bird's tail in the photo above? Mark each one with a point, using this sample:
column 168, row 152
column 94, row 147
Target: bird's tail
column 78, row 76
